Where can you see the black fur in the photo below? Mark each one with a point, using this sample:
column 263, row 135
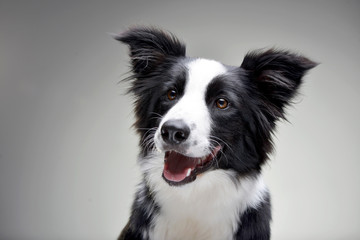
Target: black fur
column 153, row 52
column 258, row 92
column 142, row 214
column 255, row 223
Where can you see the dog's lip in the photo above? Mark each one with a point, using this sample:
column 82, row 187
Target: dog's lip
column 180, row 169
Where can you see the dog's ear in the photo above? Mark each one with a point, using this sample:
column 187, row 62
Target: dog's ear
column 277, row 76
column 149, row 47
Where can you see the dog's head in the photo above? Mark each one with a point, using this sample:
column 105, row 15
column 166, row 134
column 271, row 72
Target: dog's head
column 204, row 115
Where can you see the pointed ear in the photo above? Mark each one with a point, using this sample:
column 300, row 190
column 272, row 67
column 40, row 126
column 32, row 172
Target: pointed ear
column 149, row 47
column 277, row 76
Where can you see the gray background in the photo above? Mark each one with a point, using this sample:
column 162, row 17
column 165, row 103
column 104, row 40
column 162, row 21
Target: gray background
column 67, row 152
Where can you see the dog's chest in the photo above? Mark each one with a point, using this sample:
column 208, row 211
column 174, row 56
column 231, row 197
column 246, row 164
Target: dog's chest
column 205, row 217
column 208, row 209
column 192, row 228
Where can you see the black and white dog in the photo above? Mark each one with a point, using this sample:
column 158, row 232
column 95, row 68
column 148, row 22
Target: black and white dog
column 205, row 131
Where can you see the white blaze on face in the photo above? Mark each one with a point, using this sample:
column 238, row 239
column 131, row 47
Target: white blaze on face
column 192, row 108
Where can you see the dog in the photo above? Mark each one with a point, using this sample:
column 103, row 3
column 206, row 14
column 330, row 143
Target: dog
column 205, row 132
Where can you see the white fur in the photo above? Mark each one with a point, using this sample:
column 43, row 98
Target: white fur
column 192, row 107
column 208, row 208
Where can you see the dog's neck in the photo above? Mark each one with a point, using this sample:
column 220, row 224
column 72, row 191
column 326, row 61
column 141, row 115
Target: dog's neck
column 208, row 208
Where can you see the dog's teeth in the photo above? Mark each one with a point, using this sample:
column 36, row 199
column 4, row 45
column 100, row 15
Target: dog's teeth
column 188, row 172
column 199, row 162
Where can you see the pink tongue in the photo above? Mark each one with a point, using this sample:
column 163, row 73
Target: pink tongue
column 177, row 166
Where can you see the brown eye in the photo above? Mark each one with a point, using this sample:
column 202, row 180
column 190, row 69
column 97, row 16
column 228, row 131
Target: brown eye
column 222, row 103
column 171, row 94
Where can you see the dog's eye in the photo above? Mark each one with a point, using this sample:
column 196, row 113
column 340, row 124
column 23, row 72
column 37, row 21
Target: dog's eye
column 222, row 103
column 171, row 94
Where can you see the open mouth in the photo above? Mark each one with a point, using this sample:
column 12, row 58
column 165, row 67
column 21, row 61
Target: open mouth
column 180, row 169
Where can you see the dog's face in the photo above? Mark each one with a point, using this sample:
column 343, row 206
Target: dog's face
column 185, row 132
column 203, row 115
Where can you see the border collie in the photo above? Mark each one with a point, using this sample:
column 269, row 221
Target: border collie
column 205, row 132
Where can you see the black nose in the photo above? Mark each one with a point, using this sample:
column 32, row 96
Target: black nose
column 175, row 131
